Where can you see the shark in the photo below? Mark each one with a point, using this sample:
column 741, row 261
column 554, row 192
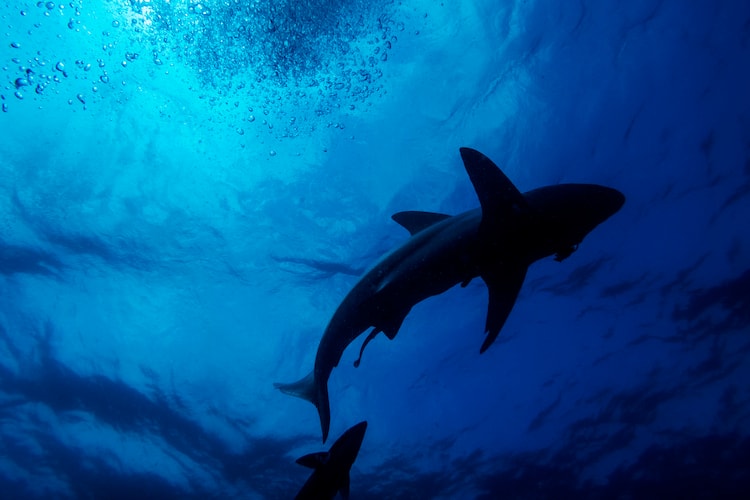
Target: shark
column 496, row 242
column 331, row 469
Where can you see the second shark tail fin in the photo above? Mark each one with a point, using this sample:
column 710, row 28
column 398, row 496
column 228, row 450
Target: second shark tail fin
column 306, row 388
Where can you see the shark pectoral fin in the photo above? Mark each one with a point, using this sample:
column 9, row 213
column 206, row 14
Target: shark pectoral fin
column 503, row 286
column 344, row 490
column 314, row 460
column 415, row 221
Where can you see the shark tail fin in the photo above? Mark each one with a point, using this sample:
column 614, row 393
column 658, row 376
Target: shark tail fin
column 303, row 388
column 306, row 388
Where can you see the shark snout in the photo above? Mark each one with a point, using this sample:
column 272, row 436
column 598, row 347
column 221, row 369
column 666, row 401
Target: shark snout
column 579, row 208
column 611, row 200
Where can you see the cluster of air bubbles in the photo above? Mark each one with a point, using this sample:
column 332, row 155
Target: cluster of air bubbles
column 199, row 8
column 30, row 79
column 321, row 54
column 35, row 75
column 129, row 57
column 297, row 60
column 49, row 7
column 31, row 74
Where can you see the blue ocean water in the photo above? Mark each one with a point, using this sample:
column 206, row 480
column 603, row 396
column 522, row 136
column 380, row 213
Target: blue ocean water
column 188, row 189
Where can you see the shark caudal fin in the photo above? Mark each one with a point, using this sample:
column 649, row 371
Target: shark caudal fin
column 306, row 388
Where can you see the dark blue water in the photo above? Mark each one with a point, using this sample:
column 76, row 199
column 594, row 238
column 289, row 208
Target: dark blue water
column 189, row 189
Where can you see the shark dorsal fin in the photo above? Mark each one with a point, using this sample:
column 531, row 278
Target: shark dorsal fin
column 314, row 460
column 344, row 490
column 415, row 221
column 497, row 194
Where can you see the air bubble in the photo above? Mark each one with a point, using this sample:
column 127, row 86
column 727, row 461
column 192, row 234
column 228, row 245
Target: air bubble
column 80, row 98
column 15, row 45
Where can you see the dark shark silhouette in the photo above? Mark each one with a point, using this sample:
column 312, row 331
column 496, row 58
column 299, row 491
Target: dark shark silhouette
column 496, row 242
column 331, row 473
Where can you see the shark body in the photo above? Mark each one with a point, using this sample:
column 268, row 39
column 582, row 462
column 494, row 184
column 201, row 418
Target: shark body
column 496, row 242
column 331, row 468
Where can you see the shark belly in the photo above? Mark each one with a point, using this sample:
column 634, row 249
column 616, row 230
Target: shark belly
column 427, row 265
